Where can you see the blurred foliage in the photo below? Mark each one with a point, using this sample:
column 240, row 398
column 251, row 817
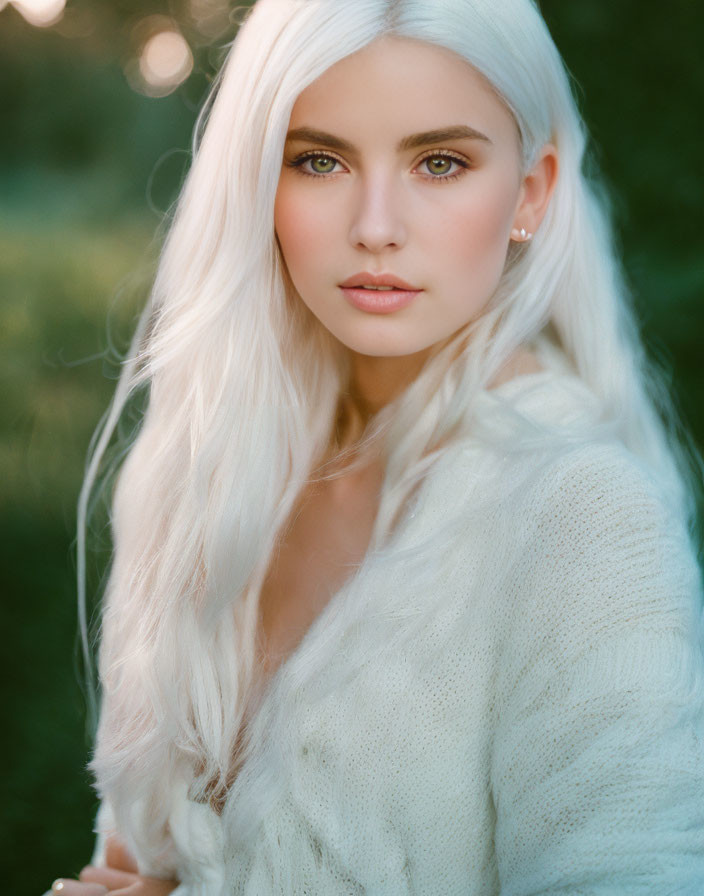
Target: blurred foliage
column 87, row 169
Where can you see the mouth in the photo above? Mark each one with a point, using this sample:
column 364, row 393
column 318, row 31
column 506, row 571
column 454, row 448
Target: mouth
column 378, row 293
column 378, row 283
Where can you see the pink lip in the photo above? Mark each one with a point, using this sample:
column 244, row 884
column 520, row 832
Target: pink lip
column 367, row 279
column 382, row 302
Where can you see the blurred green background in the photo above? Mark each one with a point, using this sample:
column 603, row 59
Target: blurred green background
column 93, row 146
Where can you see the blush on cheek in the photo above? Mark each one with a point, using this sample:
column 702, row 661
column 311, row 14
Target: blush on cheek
column 487, row 224
column 479, row 236
column 474, row 245
column 302, row 229
column 295, row 237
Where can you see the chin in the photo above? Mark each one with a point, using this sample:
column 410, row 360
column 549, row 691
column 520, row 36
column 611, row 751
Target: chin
column 381, row 345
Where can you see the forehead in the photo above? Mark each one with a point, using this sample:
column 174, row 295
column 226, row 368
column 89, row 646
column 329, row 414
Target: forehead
column 396, row 86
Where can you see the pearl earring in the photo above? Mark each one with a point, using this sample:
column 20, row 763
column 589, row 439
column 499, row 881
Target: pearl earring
column 521, row 235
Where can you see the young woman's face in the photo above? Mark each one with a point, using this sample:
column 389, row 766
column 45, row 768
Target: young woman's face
column 400, row 161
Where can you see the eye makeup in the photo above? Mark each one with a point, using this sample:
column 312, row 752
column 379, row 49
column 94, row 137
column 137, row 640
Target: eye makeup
column 299, row 161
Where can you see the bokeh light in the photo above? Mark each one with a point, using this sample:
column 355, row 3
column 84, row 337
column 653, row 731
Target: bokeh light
column 211, row 17
column 162, row 57
column 42, row 13
column 166, row 60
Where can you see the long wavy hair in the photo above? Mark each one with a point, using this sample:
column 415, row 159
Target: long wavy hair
column 244, row 385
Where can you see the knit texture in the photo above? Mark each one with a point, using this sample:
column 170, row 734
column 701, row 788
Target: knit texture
column 521, row 713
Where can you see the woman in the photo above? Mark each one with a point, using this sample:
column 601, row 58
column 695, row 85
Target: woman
column 403, row 597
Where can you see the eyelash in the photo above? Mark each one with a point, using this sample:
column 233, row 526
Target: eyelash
column 299, row 161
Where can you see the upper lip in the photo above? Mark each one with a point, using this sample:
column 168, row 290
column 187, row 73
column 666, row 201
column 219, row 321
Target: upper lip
column 367, row 279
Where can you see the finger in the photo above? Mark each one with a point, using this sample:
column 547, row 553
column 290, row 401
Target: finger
column 108, row 877
column 67, row 887
column 147, row 886
column 118, row 856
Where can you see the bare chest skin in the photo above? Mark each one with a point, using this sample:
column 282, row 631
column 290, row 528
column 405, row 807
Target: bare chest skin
column 324, row 544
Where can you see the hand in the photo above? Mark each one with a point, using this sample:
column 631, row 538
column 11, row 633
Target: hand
column 120, row 877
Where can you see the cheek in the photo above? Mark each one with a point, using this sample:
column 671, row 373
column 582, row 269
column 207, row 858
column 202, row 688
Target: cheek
column 477, row 230
column 301, row 228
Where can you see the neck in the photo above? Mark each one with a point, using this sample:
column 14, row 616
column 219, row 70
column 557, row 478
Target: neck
column 376, row 382
column 373, row 383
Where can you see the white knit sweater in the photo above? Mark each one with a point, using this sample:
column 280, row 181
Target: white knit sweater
column 520, row 713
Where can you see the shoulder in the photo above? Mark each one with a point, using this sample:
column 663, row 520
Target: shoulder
column 552, row 449
column 600, row 490
column 540, row 443
column 581, row 525
column 546, row 485
column 607, row 569
column 598, row 506
column 605, row 593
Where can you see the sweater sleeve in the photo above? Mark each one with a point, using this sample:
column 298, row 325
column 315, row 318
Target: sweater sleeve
column 598, row 757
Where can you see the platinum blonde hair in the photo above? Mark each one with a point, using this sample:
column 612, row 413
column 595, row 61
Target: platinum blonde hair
column 244, row 385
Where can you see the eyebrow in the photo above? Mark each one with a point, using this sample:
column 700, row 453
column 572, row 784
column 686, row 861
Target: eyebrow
column 414, row 141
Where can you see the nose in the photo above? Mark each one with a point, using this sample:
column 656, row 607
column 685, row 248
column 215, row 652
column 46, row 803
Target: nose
column 378, row 221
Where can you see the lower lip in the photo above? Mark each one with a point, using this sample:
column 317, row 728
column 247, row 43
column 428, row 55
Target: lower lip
column 382, row 301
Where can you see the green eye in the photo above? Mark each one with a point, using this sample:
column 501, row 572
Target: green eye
column 314, row 164
column 439, row 164
column 322, row 164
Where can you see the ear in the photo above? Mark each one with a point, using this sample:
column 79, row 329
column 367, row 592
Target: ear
column 535, row 194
